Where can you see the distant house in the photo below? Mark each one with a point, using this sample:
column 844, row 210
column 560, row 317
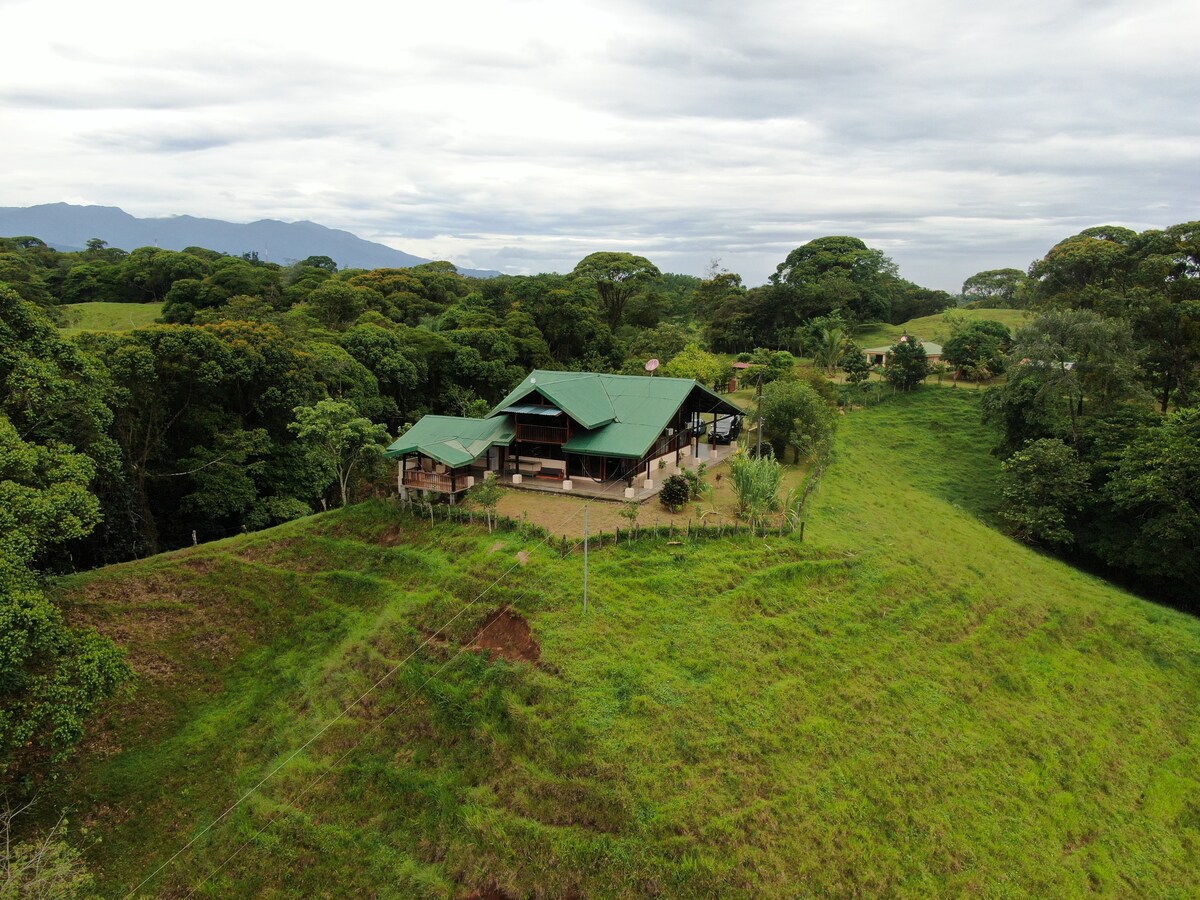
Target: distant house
column 878, row 356
column 566, row 429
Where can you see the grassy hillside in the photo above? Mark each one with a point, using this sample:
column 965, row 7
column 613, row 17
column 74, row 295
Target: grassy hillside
column 906, row 704
column 109, row 316
column 934, row 328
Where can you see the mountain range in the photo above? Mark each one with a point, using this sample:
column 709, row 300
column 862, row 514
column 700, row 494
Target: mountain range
column 65, row 226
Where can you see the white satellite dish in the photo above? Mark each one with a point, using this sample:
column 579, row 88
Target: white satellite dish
column 651, row 365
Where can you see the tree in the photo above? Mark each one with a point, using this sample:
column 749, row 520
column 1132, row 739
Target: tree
column 993, row 288
column 1043, row 485
column 907, row 365
column 1157, row 486
column 855, row 364
column 796, row 416
column 52, row 677
column 1076, row 354
column 839, row 272
column 340, row 440
column 319, row 262
column 979, row 350
column 486, row 494
column 617, row 277
column 630, row 510
column 829, row 348
column 337, row 304
column 692, row 362
column 41, row 866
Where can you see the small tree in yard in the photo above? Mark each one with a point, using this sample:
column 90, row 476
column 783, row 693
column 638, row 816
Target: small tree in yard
column 675, row 493
column 339, row 440
column 795, row 415
column 1042, row 485
column 855, row 364
column 630, row 510
column 907, row 365
column 486, row 494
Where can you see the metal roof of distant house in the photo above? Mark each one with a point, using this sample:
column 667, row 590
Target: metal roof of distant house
column 931, row 349
column 453, row 440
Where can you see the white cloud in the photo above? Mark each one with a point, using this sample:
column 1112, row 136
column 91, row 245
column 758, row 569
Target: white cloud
column 524, row 135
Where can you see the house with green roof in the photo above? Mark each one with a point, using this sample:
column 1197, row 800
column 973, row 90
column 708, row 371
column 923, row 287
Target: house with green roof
column 564, row 428
column 878, row 356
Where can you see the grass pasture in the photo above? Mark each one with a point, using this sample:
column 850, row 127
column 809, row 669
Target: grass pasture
column 907, row 704
column 934, row 328
column 101, row 316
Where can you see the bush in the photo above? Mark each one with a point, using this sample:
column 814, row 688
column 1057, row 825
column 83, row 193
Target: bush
column 676, row 492
column 756, row 482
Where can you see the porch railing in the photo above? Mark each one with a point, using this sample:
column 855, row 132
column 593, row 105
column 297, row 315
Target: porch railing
column 434, row 481
column 541, row 434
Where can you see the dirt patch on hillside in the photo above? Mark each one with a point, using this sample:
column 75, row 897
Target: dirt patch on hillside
column 506, row 635
column 391, row 536
column 491, row 892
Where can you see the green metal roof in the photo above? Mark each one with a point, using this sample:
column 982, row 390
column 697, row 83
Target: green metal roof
column 581, row 395
column 453, row 440
column 623, row 414
column 931, row 349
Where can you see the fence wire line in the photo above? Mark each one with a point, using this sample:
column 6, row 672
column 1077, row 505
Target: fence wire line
column 345, row 711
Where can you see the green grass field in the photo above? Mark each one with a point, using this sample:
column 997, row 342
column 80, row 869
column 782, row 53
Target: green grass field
column 907, row 704
column 109, row 316
column 934, row 328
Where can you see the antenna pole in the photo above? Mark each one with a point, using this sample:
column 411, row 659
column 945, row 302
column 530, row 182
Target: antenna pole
column 585, row 558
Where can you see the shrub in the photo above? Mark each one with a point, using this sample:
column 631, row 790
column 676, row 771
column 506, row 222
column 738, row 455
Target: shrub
column 675, row 493
column 756, row 482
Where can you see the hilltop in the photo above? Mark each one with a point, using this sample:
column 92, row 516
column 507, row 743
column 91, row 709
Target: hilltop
column 908, row 703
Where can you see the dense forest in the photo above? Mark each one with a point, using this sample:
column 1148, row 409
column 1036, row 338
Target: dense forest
column 266, row 390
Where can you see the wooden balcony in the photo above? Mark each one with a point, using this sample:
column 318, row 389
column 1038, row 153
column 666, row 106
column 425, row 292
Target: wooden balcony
column 541, row 434
column 434, row 481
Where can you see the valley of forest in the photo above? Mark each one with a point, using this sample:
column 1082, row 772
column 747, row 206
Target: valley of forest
column 930, row 631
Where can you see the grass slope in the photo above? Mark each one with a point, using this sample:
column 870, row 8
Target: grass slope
column 934, row 328
column 109, row 316
column 907, row 704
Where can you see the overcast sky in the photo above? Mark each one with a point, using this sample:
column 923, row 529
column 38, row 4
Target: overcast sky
column 522, row 135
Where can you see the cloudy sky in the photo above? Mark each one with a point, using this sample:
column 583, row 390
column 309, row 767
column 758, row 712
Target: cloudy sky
column 522, row 135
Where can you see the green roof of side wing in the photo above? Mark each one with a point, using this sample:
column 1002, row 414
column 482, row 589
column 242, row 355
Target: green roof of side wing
column 453, row 440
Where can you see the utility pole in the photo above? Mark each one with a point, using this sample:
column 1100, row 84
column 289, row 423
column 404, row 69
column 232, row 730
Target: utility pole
column 585, row 561
column 758, row 400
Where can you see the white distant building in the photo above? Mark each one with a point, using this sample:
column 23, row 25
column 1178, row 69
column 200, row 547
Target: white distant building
column 878, row 356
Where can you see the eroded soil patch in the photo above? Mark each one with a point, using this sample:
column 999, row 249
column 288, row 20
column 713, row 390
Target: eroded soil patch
column 506, row 635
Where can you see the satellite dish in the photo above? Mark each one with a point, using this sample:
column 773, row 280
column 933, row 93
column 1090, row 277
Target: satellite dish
column 651, row 365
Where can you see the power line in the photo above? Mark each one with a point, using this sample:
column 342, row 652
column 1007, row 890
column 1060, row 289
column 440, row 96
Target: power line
column 344, row 712
column 371, row 730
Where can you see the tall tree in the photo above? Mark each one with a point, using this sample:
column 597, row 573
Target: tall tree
column 840, row 272
column 617, row 277
column 995, row 288
column 340, row 440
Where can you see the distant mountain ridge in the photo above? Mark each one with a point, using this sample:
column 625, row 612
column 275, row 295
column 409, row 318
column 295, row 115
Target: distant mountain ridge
column 69, row 227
